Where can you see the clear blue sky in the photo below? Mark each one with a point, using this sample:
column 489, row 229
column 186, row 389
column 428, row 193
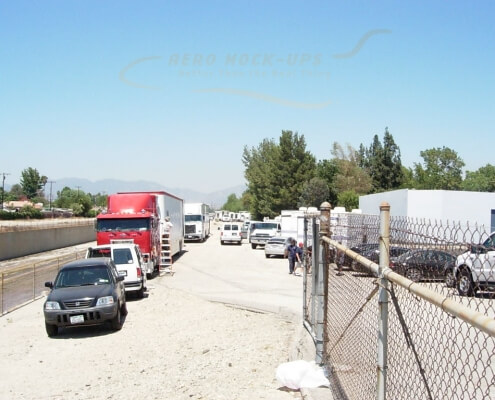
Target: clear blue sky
column 172, row 91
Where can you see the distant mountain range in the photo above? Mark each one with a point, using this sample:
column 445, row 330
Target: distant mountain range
column 109, row 186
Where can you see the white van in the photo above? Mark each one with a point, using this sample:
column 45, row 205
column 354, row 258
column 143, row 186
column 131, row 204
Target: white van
column 129, row 261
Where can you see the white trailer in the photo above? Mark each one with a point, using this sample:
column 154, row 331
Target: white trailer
column 172, row 208
column 196, row 221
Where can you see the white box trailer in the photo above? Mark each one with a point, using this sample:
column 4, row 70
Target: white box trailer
column 196, row 221
column 292, row 223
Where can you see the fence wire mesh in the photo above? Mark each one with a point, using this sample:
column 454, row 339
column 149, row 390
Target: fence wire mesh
column 24, row 283
column 431, row 353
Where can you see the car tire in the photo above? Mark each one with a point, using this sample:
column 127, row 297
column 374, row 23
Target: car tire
column 253, row 245
column 51, row 330
column 465, row 285
column 449, row 278
column 267, row 256
column 124, row 309
column 117, row 320
column 222, row 242
column 414, row 274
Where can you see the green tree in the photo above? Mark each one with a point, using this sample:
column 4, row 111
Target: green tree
column 350, row 175
column 441, row 170
column 15, row 192
column 314, row 193
column 32, row 182
column 233, row 204
column 482, row 180
column 348, row 199
column 276, row 173
column 328, row 170
column 383, row 163
column 77, row 200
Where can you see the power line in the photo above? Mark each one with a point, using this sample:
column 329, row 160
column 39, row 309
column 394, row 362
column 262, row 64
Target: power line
column 4, row 174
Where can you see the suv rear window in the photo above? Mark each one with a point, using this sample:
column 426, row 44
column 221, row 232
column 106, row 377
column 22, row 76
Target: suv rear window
column 122, row 256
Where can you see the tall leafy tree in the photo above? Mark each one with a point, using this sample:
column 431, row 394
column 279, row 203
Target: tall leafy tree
column 276, row 173
column 233, row 203
column 350, row 176
column 314, row 193
column 382, row 162
column 348, row 199
column 32, row 182
column 80, row 202
column 441, row 170
column 482, row 180
column 327, row 170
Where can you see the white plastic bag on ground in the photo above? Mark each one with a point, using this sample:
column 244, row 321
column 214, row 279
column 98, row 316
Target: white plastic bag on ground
column 300, row 373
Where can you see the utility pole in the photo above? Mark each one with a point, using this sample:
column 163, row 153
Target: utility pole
column 51, row 183
column 4, row 174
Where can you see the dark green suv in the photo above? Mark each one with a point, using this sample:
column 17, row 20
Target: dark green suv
column 85, row 292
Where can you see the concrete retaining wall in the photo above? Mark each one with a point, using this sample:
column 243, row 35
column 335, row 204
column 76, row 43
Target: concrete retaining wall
column 23, row 243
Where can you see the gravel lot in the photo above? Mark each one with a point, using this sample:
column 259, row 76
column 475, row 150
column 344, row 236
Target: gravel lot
column 173, row 345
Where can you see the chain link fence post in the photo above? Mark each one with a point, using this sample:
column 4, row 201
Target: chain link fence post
column 381, row 383
column 322, row 282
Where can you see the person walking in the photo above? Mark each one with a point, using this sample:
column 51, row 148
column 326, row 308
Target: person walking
column 292, row 255
column 299, row 260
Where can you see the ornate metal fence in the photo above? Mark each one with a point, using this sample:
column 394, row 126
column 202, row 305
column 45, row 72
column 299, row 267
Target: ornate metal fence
column 403, row 308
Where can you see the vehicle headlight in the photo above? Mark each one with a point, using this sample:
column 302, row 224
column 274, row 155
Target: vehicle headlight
column 52, row 305
column 105, row 301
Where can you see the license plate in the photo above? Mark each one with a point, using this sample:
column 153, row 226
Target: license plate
column 234, row 234
column 76, row 319
column 123, row 273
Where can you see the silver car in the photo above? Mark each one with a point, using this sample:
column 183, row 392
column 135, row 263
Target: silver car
column 277, row 246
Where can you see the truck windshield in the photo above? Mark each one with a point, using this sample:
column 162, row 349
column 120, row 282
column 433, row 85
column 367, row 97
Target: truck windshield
column 131, row 224
column 192, row 218
column 264, row 225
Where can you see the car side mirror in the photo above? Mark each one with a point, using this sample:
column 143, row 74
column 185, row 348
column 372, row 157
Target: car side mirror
column 120, row 278
column 49, row 285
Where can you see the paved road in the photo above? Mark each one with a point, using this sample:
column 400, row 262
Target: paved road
column 250, row 280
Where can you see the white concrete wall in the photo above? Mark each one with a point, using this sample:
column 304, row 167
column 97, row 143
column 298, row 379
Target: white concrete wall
column 435, row 205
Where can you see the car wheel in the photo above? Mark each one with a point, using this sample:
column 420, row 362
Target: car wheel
column 253, row 245
column 222, row 242
column 465, row 285
column 124, row 309
column 355, row 266
column 449, row 278
column 414, row 274
column 51, row 330
column 117, row 320
column 267, row 256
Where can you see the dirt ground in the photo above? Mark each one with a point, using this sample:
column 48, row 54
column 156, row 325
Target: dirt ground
column 173, row 345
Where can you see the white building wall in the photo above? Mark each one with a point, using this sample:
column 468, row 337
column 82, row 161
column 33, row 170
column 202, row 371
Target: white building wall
column 435, row 205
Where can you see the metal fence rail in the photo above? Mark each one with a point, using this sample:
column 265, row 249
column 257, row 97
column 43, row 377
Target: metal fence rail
column 387, row 336
column 23, row 284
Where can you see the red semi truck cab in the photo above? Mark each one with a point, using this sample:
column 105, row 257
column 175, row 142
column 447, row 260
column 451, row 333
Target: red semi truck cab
column 132, row 217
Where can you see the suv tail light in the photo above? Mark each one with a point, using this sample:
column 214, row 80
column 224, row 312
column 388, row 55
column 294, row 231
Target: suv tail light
column 138, row 271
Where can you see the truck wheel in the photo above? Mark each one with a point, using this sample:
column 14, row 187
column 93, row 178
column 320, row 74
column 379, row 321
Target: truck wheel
column 465, row 285
column 253, row 245
column 51, row 330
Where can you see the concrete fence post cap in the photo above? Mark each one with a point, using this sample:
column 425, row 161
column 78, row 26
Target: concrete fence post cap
column 325, row 206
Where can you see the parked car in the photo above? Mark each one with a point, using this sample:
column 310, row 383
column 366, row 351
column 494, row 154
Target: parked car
column 85, row 292
column 231, row 233
column 277, row 246
column 360, row 249
column 129, row 261
column 373, row 254
column 424, row 264
column 475, row 269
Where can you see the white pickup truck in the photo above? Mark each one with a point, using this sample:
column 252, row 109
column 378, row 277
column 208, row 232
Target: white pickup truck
column 129, row 261
column 260, row 232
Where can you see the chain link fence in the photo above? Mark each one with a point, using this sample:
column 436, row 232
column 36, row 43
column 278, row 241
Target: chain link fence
column 403, row 308
column 23, row 284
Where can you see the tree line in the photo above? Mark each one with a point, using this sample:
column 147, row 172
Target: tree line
column 283, row 174
column 32, row 187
